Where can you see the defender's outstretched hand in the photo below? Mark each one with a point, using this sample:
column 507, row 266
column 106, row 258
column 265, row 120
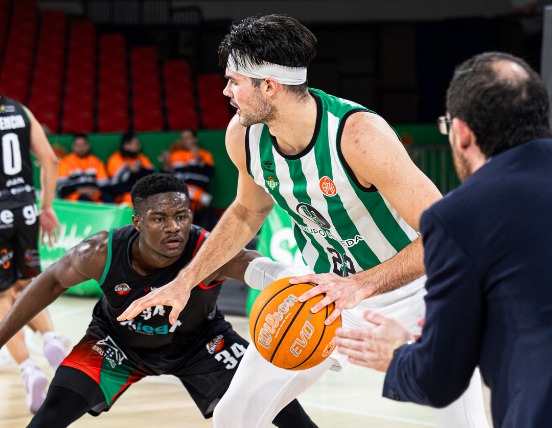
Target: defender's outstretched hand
column 175, row 294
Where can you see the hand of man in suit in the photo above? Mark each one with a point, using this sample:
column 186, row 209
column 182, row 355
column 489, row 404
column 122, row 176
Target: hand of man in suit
column 372, row 346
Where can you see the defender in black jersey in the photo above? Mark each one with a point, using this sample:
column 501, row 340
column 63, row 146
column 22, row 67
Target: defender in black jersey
column 20, row 222
column 200, row 347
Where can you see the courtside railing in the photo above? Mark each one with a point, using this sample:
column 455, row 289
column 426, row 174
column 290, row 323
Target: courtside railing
column 436, row 162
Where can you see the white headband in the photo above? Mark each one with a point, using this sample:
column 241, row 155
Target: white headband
column 280, row 73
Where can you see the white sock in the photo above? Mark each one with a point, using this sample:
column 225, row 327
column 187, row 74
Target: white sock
column 49, row 335
column 27, row 363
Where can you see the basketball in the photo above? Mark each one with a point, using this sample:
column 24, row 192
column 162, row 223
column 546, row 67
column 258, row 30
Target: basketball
column 285, row 332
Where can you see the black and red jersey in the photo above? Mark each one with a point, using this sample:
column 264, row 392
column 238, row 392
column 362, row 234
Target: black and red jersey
column 122, row 285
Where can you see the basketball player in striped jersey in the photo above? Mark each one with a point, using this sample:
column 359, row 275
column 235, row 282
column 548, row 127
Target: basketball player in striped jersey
column 354, row 196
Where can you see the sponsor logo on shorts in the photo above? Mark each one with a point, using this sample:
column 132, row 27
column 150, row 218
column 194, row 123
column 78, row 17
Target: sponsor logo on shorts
column 5, row 258
column 271, row 183
column 122, row 289
column 215, row 345
column 30, row 214
column 6, row 219
column 108, row 349
column 327, row 186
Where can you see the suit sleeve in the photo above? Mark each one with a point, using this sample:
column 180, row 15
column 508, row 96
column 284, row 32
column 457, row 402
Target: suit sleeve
column 437, row 368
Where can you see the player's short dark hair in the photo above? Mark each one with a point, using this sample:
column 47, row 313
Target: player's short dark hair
column 278, row 39
column 502, row 109
column 154, row 184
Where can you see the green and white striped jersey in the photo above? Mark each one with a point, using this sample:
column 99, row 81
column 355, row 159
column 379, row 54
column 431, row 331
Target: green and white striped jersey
column 339, row 225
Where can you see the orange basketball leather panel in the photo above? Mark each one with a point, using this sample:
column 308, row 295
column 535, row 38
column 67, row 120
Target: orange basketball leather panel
column 285, row 331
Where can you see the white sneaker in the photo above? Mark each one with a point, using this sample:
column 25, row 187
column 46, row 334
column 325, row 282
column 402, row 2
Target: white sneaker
column 55, row 350
column 35, row 384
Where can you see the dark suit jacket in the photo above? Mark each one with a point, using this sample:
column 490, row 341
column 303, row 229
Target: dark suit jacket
column 488, row 256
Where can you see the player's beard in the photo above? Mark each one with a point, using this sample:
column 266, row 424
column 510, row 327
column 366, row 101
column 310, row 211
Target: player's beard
column 261, row 111
column 461, row 164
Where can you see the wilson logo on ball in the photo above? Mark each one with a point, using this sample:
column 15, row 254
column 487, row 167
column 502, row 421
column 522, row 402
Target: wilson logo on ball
column 285, row 331
column 273, row 321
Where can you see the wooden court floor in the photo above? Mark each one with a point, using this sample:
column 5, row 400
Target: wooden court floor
column 349, row 399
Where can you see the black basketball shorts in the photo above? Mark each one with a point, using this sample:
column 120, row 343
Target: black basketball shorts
column 19, row 257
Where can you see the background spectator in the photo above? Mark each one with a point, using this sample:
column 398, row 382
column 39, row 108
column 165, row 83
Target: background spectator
column 81, row 175
column 126, row 166
column 195, row 166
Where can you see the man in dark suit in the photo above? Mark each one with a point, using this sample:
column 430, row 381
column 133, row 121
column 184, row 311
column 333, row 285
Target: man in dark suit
column 487, row 254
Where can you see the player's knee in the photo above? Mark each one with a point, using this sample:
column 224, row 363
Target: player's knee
column 224, row 414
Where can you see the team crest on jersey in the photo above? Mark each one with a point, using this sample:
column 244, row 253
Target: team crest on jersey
column 327, row 186
column 271, row 183
column 215, row 345
column 122, row 289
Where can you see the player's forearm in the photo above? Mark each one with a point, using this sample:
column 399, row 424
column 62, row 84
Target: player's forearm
column 232, row 233
column 400, row 270
column 48, row 182
column 42, row 291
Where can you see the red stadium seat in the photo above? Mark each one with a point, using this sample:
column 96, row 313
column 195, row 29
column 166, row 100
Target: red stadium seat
column 148, row 120
column 77, row 121
column 114, row 42
column 143, row 54
column 44, row 100
column 176, row 69
column 115, row 121
column 49, row 118
column 175, row 101
column 210, row 81
column 182, row 119
column 216, row 118
column 112, row 102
